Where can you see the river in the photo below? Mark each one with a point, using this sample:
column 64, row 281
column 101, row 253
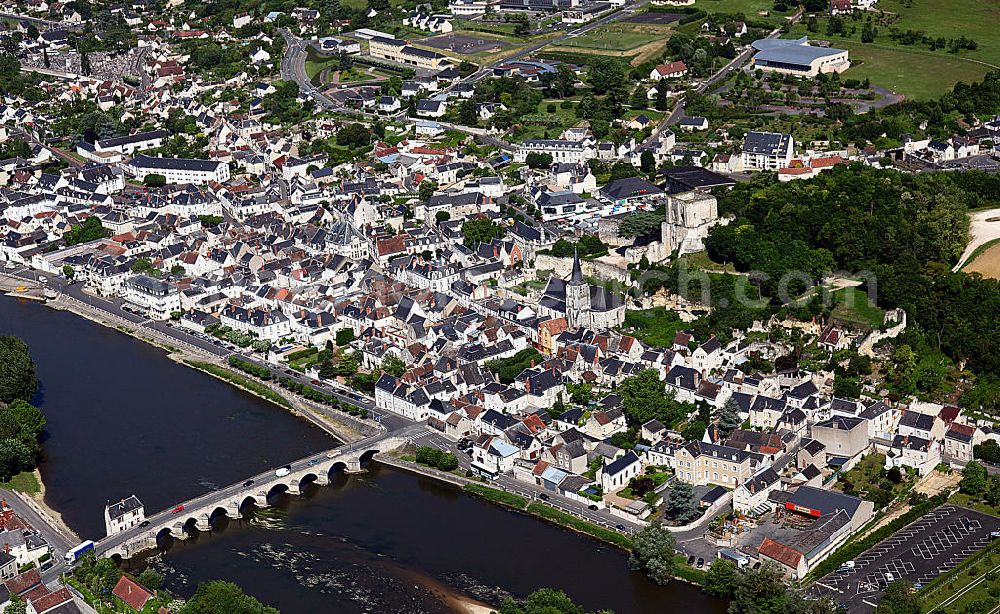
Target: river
column 122, row 419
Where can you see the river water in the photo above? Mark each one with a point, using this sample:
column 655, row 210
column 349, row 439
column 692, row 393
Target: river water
column 122, row 419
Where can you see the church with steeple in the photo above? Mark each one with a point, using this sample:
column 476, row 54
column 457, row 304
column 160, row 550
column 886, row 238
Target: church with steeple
column 582, row 304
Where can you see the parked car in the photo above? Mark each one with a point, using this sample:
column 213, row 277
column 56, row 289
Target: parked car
column 691, row 560
column 178, row 509
column 701, row 563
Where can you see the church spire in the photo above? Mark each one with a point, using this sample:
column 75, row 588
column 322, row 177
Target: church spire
column 577, row 276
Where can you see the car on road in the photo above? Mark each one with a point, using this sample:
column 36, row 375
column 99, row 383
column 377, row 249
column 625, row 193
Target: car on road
column 282, row 472
column 313, row 462
column 543, row 497
column 332, row 453
column 315, row 382
column 248, row 483
column 178, row 509
column 47, row 565
column 144, row 524
column 592, row 507
column 700, row 564
column 620, row 527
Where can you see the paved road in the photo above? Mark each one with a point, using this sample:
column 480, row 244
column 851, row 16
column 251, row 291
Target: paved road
column 736, row 63
column 29, row 511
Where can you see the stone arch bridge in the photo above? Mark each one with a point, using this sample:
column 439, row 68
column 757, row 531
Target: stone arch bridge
column 231, row 501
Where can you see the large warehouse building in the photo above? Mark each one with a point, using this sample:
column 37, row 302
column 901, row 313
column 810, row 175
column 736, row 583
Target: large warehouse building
column 798, row 57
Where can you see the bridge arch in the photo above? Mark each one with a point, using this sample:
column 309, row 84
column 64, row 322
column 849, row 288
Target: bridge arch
column 246, row 503
column 163, row 533
column 307, row 479
column 190, row 522
column 367, row 456
column 277, row 489
column 216, row 513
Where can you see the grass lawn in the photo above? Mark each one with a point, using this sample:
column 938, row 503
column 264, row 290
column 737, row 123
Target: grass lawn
column 866, row 476
column 315, row 63
column 973, row 579
column 750, row 8
column 914, row 73
column 611, row 38
column 567, row 520
column 852, row 306
column 240, row 381
column 701, row 262
column 656, row 326
column 25, row 482
column 975, row 19
column 975, row 503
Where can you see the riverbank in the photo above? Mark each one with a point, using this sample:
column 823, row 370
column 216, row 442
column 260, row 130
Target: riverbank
column 210, row 364
column 52, row 517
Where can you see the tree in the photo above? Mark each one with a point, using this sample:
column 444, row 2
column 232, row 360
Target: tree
column 641, row 485
column 219, row 596
column 154, row 180
column 89, row 230
column 538, row 160
column 694, row 431
column 475, row 232
column 426, row 189
column 177, row 269
column 720, row 581
column 680, row 505
column 16, row 606
column 647, row 162
column 15, row 457
column 974, row 479
column 442, row 216
column 542, row 601
column 729, row 417
column 85, row 63
column 18, row 379
column 150, row 578
column 353, row 136
column 45, row 58
column 899, row 598
column 988, row 451
column 345, row 336
column 653, row 554
column 68, row 271
column 644, row 398
column 759, row 591
column 29, row 419
column 467, row 113
column 393, row 365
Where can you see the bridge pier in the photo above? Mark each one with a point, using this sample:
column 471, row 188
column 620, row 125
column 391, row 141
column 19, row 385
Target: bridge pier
column 177, row 532
column 323, row 479
column 293, row 488
column 202, row 523
column 260, row 500
column 354, row 466
column 233, row 511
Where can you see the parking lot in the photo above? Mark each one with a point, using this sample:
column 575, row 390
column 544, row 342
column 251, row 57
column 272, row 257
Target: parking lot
column 463, row 43
column 659, row 19
column 933, row 545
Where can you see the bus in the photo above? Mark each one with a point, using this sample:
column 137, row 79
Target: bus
column 77, row 553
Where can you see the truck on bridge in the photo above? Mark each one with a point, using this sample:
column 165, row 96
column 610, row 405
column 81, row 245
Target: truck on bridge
column 76, row 553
